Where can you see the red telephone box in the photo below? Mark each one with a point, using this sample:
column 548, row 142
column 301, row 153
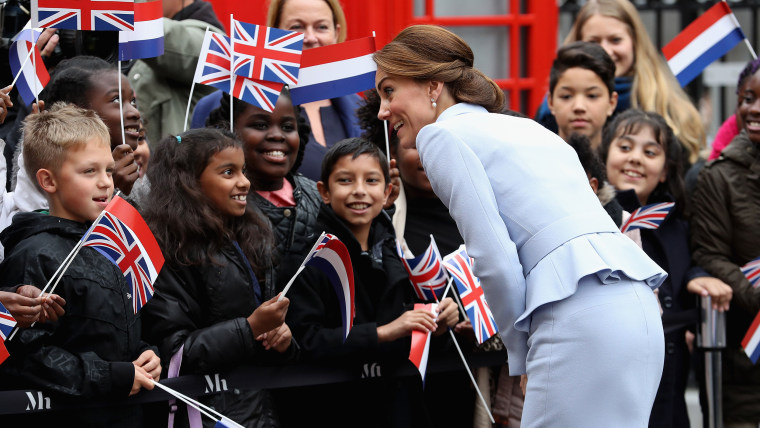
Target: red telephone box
column 529, row 47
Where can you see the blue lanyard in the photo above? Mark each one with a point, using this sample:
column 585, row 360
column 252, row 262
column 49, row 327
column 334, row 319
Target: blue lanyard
column 256, row 286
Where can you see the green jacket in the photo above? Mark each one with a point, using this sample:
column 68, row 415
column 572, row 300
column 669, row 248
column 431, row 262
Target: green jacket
column 163, row 83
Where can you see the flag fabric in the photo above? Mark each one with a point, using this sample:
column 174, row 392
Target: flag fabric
column 751, row 341
column 752, row 271
column 99, row 15
column 213, row 69
column 418, row 353
column 147, row 39
column 331, row 256
column 35, row 76
column 459, row 265
column 426, row 272
column 227, row 423
column 335, row 70
column 265, row 53
column 647, row 217
column 123, row 237
column 705, row 40
column 7, row 323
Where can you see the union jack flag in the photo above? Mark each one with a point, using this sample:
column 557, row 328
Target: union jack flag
column 7, row 323
column 100, row 15
column 213, row 69
column 426, row 272
column 752, row 271
column 647, row 217
column 123, row 237
column 265, row 53
column 459, row 265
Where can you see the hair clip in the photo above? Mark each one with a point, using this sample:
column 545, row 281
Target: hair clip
column 179, row 139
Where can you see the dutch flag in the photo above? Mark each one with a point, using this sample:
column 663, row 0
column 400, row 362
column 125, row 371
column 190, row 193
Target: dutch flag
column 147, row 39
column 705, row 40
column 335, row 70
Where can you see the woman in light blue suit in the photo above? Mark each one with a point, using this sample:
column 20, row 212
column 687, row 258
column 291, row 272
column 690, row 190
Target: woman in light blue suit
column 571, row 295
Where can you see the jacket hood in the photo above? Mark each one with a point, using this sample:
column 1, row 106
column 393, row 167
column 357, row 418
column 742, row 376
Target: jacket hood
column 741, row 150
column 26, row 225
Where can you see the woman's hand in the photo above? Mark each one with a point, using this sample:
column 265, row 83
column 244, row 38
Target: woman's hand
column 720, row 292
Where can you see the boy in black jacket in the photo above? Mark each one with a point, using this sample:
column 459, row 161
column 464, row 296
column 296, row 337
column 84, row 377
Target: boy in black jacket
column 94, row 350
column 354, row 188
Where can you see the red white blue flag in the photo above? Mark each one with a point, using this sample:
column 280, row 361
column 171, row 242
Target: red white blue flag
column 213, row 69
column 647, row 217
column 7, row 323
column 426, row 272
column 751, row 341
column 331, row 256
column 752, row 271
column 34, row 75
column 704, row 41
column 123, row 237
column 147, row 39
column 265, row 53
column 335, row 70
column 459, row 265
column 99, row 15
column 419, row 351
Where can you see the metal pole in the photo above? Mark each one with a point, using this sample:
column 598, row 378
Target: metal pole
column 711, row 338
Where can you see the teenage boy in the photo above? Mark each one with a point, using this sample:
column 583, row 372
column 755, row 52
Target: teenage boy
column 582, row 90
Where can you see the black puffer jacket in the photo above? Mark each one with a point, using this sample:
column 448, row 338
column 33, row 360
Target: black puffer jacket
column 295, row 228
column 89, row 351
column 204, row 308
column 725, row 236
column 382, row 293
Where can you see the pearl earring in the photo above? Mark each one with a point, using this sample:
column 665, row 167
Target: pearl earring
column 432, row 100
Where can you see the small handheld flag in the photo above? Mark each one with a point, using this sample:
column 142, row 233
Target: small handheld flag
column 265, row 53
column 33, row 74
column 213, row 69
column 335, row 70
column 702, row 42
column 99, row 15
column 123, row 237
column 147, row 39
column 7, row 323
column 648, row 217
column 331, row 257
column 426, row 272
column 459, row 265
column 751, row 341
column 752, row 271
column 418, row 354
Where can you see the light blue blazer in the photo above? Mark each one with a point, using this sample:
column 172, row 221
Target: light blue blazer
column 528, row 216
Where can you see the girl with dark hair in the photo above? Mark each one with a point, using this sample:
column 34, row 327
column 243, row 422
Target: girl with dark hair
column 274, row 145
column 215, row 303
column 570, row 309
column 725, row 237
column 644, row 162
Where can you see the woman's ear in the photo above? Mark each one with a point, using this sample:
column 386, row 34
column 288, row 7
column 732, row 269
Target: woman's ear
column 324, row 191
column 46, row 180
column 435, row 89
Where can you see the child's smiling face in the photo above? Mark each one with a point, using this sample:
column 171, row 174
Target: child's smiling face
column 356, row 190
column 271, row 142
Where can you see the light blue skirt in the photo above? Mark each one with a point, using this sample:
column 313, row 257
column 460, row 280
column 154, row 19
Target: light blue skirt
column 595, row 358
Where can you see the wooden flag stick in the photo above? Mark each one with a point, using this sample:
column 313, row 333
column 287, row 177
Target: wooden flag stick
column 300, row 268
column 189, row 401
column 23, row 64
column 467, row 367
